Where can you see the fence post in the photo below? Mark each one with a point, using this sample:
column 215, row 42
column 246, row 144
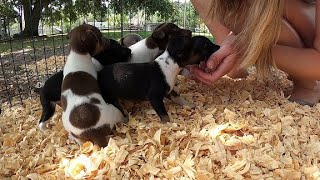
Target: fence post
column 121, row 15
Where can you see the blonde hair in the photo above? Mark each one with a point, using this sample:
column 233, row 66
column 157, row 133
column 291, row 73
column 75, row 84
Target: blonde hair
column 260, row 28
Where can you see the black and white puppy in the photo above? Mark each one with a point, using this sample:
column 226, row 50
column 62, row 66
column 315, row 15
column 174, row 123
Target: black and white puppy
column 154, row 80
column 149, row 48
column 86, row 116
column 130, row 39
column 50, row 93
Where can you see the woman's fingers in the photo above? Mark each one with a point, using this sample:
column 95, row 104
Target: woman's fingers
column 211, row 77
column 203, row 76
column 197, row 77
column 216, row 58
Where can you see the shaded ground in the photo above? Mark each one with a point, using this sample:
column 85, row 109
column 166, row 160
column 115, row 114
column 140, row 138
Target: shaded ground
column 24, row 70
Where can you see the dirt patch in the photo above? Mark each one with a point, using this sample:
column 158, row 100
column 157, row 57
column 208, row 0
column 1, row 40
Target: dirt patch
column 22, row 71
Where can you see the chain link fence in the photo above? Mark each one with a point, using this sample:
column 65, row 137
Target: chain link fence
column 27, row 62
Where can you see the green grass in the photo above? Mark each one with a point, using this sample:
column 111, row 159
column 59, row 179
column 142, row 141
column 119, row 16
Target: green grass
column 116, row 35
column 30, row 43
column 59, row 40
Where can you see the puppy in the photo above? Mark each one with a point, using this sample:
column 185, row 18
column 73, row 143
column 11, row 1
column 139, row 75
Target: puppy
column 86, row 116
column 154, row 80
column 203, row 46
column 112, row 54
column 149, row 48
column 51, row 91
column 130, row 39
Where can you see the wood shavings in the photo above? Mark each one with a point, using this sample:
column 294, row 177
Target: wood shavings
column 241, row 129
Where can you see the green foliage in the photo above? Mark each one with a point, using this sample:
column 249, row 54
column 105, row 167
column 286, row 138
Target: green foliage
column 70, row 11
column 7, row 8
column 163, row 8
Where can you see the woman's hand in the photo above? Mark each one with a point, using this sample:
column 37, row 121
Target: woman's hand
column 219, row 63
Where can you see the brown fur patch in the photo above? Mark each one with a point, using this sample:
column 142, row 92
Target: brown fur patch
column 86, row 39
column 95, row 101
column 80, row 83
column 170, row 30
column 63, row 103
column 97, row 136
column 84, row 116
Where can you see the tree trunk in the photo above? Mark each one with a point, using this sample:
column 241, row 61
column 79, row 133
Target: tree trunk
column 32, row 16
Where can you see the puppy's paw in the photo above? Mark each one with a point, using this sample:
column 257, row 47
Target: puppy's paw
column 186, row 73
column 126, row 119
column 182, row 102
column 75, row 139
column 165, row 119
column 43, row 126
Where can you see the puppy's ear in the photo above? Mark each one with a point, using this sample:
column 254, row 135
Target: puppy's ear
column 88, row 42
column 159, row 35
column 106, row 42
column 159, row 26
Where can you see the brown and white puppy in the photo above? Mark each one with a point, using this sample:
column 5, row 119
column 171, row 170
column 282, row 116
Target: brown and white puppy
column 149, row 48
column 86, row 116
column 130, row 39
column 51, row 91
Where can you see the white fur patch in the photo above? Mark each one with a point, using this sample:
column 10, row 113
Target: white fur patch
column 109, row 114
column 77, row 62
column 169, row 68
column 140, row 53
column 97, row 65
column 185, row 72
column 72, row 138
column 43, row 126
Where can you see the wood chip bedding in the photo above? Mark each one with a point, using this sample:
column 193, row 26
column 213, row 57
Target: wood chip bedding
column 241, row 129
